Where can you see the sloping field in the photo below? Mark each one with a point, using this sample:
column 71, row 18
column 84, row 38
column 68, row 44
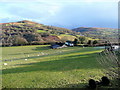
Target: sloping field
column 42, row 67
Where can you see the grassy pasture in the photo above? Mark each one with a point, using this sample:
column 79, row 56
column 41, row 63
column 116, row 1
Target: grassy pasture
column 42, row 67
column 41, row 31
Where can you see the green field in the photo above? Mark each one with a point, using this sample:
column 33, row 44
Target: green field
column 41, row 31
column 41, row 67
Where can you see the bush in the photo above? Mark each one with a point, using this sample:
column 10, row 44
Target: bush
column 20, row 41
column 95, row 42
column 82, row 39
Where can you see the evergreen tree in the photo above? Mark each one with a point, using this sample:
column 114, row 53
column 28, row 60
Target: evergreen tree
column 89, row 42
column 95, row 42
column 75, row 42
column 82, row 39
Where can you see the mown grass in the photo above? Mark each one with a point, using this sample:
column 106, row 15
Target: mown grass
column 52, row 68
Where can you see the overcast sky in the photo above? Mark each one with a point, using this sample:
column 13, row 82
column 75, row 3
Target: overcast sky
column 62, row 13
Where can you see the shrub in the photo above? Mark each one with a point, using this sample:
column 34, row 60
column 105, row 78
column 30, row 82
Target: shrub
column 20, row 41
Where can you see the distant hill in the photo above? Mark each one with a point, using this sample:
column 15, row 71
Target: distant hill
column 28, row 32
column 100, row 33
column 29, row 25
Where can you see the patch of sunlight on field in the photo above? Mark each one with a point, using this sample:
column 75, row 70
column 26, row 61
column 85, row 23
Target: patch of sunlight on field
column 41, row 31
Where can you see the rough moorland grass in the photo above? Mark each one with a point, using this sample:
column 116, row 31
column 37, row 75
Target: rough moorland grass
column 48, row 68
column 66, row 37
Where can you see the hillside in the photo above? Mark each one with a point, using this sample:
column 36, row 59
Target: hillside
column 28, row 32
column 29, row 25
column 101, row 33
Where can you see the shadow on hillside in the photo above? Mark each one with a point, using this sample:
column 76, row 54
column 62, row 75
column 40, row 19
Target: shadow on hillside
column 23, row 53
column 114, row 85
column 36, row 49
column 58, row 64
column 84, row 86
column 41, row 48
column 80, row 86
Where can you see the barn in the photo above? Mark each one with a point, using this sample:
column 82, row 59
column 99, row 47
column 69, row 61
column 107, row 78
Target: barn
column 57, row 46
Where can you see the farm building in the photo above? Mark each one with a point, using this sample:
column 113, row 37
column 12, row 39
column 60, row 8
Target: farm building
column 116, row 47
column 62, row 45
column 57, row 46
column 69, row 43
column 113, row 47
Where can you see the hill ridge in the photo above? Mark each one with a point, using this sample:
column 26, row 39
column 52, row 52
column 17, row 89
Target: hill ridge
column 96, row 32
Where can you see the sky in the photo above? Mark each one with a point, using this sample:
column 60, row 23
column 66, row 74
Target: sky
column 62, row 13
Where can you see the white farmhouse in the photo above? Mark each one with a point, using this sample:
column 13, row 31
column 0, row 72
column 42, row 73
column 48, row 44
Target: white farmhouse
column 69, row 44
column 113, row 47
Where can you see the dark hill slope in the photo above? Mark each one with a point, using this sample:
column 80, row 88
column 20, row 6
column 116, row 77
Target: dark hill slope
column 101, row 33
